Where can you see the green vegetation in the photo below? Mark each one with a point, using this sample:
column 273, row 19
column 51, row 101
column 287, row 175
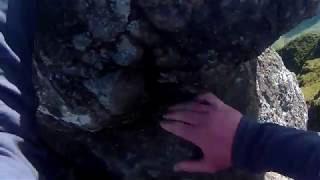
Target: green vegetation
column 309, row 79
column 302, row 56
column 303, row 48
column 279, row 44
column 314, row 113
column 300, row 50
column 311, row 25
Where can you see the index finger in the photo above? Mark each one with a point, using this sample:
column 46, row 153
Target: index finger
column 210, row 99
column 190, row 106
column 179, row 129
column 189, row 117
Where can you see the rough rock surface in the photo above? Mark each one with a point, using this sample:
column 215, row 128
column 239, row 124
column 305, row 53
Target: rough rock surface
column 97, row 37
column 281, row 99
column 106, row 69
column 157, row 150
column 275, row 176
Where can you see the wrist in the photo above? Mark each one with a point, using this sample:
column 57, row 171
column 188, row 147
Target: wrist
column 242, row 143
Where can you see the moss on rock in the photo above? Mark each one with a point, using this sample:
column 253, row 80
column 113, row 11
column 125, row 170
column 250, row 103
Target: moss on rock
column 314, row 114
column 309, row 79
column 302, row 56
column 303, row 48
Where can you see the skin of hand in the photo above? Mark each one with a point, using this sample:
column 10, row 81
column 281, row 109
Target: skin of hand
column 208, row 123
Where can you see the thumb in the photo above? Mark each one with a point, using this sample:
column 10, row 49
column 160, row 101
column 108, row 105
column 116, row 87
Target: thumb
column 194, row 166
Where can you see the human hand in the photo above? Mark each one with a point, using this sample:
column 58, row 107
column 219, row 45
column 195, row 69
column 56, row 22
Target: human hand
column 209, row 124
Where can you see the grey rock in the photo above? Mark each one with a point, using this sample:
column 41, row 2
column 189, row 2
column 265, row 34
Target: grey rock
column 199, row 25
column 202, row 45
column 94, row 59
column 105, row 18
column 158, row 151
column 168, row 57
column 51, row 102
column 127, row 53
column 275, row 176
column 118, row 92
column 143, row 31
column 281, row 99
column 81, row 41
column 168, row 15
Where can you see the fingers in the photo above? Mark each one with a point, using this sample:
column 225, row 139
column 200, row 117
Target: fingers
column 188, row 117
column 194, row 166
column 210, row 99
column 190, row 106
column 179, row 129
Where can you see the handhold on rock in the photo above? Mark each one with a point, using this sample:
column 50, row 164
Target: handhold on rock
column 105, row 18
column 81, row 41
column 119, row 91
column 127, row 53
column 169, row 15
column 142, row 31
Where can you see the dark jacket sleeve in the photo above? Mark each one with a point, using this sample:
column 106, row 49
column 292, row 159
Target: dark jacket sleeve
column 20, row 148
column 269, row 147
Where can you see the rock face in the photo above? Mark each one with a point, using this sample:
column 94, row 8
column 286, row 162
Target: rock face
column 281, row 99
column 298, row 51
column 106, row 69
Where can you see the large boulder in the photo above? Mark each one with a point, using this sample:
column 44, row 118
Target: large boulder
column 143, row 151
column 105, row 70
column 299, row 50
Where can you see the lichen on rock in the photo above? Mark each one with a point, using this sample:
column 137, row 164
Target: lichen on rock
column 281, row 100
column 105, row 19
column 107, row 69
column 117, row 91
column 127, row 52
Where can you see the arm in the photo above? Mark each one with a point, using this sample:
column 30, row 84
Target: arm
column 228, row 139
column 20, row 148
column 269, row 147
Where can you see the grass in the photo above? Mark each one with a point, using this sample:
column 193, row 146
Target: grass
column 295, row 53
column 300, row 50
column 311, row 25
column 309, row 79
